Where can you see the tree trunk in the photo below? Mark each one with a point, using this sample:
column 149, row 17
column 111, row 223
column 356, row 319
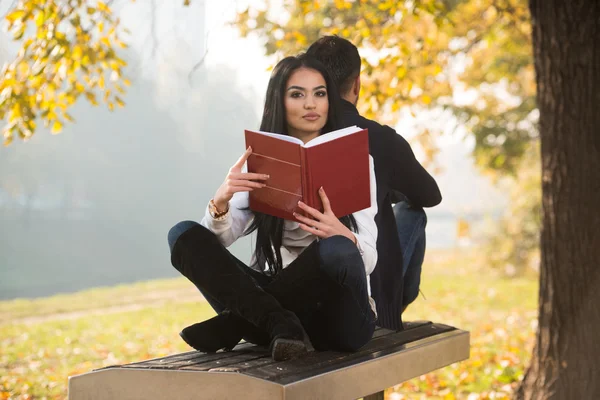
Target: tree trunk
column 566, row 358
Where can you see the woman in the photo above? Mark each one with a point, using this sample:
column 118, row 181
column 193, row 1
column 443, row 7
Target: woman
column 307, row 277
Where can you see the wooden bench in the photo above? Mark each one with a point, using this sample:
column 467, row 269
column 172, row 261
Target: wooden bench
column 248, row 372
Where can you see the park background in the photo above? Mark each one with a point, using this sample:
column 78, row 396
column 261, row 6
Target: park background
column 85, row 277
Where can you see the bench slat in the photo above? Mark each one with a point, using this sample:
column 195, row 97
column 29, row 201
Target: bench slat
column 321, row 362
column 238, row 359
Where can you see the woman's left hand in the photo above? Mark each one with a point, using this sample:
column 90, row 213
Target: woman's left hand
column 323, row 224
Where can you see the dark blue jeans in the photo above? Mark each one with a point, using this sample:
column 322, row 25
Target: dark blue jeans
column 326, row 287
column 411, row 224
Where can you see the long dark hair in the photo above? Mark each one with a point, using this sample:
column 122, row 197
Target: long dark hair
column 269, row 228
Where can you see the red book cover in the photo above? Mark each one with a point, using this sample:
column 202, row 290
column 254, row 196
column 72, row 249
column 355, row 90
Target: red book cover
column 338, row 161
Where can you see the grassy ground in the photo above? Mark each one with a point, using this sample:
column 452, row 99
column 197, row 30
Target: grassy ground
column 44, row 341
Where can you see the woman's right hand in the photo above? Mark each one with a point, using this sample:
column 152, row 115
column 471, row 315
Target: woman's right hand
column 238, row 181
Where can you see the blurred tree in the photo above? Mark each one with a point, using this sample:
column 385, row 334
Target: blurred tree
column 417, row 53
column 513, row 245
column 567, row 59
column 69, row 49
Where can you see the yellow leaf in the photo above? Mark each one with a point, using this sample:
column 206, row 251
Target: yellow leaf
column 77, row 53
column 102, row 6
column 57, row 127
column 16, row 112
column 426, row 99
column 7, row 141
column 119, row 101
column 23, row 68
column 19, row 33
column 91, row 98
column 15, row 15
column 40, row 19
column 401, row 72
column 71, row 99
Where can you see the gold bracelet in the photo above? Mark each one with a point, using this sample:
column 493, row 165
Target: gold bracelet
column 214, row 210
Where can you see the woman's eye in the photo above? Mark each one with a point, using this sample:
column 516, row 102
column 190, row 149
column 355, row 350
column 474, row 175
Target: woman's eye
column 296, row 94
column 321, row 93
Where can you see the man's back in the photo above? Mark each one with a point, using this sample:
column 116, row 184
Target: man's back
column 395, row 163
column 399, row 176
column 397, row 172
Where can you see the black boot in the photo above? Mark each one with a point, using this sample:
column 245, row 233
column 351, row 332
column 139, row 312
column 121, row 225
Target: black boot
column 200, row 257
column 221, row 332
column 286, row 342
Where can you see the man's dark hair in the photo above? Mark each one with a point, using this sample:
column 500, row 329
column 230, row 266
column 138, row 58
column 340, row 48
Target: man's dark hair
column 340, row 57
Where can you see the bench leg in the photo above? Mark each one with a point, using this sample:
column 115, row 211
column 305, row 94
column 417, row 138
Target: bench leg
column 375, row 396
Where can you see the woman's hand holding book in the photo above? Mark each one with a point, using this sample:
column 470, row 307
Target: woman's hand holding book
column 323, row 224
column 238, row 181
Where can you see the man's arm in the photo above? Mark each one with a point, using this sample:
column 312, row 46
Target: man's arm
column 407, row 175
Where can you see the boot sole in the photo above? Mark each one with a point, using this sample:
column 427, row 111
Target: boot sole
column 182, row 335
column 286, row 349
column 203, row 349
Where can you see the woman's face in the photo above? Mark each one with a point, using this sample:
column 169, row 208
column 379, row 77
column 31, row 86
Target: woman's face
column 306, row 104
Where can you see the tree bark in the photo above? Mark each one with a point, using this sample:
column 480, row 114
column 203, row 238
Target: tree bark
column 566, row 358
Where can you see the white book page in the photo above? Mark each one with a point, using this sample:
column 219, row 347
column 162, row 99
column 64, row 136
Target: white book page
column 333, row 135
column 316, row 141
column 280, row 136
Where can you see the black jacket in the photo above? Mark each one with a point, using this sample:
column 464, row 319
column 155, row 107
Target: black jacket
column 396, row 170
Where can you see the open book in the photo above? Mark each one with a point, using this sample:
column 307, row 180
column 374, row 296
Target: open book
column 338, row 161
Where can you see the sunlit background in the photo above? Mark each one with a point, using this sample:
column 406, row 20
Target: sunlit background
column 91, row 207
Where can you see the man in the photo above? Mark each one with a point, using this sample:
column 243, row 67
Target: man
column 400, row 179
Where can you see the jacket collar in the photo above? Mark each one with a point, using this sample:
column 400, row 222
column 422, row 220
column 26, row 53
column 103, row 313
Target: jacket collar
column 349, row 108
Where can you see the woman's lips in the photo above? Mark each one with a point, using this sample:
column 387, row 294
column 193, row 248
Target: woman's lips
column 311, row 116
